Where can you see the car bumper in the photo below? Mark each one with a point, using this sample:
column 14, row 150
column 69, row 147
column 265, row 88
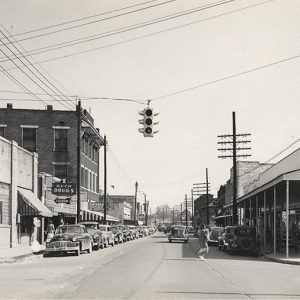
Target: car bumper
column 62, row 247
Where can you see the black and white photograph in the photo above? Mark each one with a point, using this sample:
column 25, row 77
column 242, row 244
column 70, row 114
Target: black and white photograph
column 149, row 149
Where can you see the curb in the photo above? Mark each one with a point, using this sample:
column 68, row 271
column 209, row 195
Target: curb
column 282, row 261
column 29, row 256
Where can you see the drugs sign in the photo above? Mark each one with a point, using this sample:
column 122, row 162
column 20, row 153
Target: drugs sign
column 63, row 189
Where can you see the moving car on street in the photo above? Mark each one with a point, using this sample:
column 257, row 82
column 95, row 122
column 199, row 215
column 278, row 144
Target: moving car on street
column 70, row 238
column 178, row 233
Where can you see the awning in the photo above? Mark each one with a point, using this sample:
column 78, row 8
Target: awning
column 87, row 215
column 37, row 207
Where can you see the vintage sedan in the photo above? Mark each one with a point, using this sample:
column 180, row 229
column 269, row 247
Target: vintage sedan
column 118, row 233
column 70, row 239
column 109, row 238
column 178, row 233
column 214, row 235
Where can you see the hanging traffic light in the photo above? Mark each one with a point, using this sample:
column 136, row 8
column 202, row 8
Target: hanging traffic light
column 147, row 121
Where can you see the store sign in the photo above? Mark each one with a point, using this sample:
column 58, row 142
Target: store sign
column 63, row 200
column 63, row 189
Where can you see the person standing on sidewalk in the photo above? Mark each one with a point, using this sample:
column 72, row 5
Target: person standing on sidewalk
column 50, row 231
column 203, row 238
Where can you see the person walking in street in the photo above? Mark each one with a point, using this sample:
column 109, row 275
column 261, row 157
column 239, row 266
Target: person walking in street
column 203, row 238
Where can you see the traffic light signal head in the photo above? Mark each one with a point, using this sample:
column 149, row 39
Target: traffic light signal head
column 147, row 121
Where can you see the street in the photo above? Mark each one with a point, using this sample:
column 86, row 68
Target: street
column 150, row 267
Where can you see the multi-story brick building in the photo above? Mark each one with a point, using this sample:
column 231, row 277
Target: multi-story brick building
column 53, row 134
column 200, row 209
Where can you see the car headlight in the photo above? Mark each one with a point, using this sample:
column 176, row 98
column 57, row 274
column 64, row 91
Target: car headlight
column 74, row 239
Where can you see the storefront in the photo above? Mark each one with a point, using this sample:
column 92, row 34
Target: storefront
column 30, row 217
column 272, row 204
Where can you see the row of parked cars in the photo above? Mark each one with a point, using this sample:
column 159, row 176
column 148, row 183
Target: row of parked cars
column 235, row 239
column 90, row 235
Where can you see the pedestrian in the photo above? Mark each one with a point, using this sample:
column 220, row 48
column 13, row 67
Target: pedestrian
column 203, row 238
column 50, row 231
column 31, row 228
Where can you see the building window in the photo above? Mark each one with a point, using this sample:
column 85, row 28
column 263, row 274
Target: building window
column 82, row 179
column 61, row 139
column 1, row 212
column 61, row 171
column 2, row 131
column 86, row 178
column 29, row 139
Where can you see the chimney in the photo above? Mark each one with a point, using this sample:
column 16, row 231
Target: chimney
column 9, row 106
column 49, row 107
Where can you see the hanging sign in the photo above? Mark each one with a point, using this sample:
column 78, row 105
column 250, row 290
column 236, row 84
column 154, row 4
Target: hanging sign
column 63, row 189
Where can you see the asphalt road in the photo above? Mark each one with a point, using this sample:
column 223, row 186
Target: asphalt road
column 150, row 268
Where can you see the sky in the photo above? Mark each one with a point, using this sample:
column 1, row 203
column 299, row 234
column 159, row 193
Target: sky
column 197, row 64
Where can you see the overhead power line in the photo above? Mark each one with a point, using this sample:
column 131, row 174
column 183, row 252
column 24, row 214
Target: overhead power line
column 89, row 23
column 42, row 82
column 124, row 29
column 81, row 19
column 227, row 77
column 145, row 36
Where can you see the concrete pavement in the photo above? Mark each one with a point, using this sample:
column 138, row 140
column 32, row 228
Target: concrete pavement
column 150, row 268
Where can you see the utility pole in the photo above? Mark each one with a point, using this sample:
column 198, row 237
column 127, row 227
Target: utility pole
column 78, row 109
column 105, row 180
column 233, row 154
column 207, row 201
column 181, row 213
column 186, row 211
column 173, row 219
column 193, row 223
column 145, row 209
column 163, row 215
column 135, row 196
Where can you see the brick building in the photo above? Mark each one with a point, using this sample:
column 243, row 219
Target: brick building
column 200, row 209
column 247, row 171
column 53, row 135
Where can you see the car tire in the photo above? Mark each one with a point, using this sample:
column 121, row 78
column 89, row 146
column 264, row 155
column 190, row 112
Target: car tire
column 170, row 241
column 77, row 253
column 90, row 248
column 113, row 244
column 246, row 244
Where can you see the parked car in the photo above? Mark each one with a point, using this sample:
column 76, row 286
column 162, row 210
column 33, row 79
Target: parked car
column 244, row 240
column 96, row 234
column 70, row 238
column 108, row 235
column 118, row 234
column 178, row 233
column 140, row 231
column 223, row 240
column 167, row 229
column 124, row 231
column 214, row 234
column 134, row 231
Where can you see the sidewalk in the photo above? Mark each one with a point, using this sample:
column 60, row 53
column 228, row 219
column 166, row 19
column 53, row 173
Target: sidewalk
column 294, row 258
column 19, row 253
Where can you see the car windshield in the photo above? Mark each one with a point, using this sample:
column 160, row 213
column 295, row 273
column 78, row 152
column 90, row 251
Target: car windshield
column 91, row 230
column 73, row 229
column 114, row 228
column 103, row 228
column 178, row 230
column 90, row 225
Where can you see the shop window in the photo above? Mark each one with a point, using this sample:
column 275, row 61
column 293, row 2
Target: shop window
column 29, row 139
column 2, row 131
column 1, row 212
column 61, row 171
column 60, row 139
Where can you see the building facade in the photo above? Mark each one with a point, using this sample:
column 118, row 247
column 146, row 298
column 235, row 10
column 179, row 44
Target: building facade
column 53, row 134
column 21, row 212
